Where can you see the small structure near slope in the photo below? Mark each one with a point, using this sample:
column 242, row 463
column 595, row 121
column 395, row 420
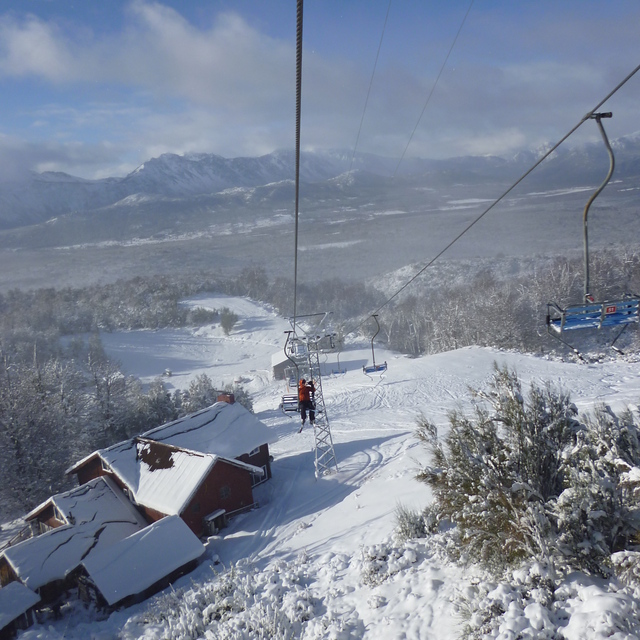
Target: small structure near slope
column 142, row 564
column 17, row 604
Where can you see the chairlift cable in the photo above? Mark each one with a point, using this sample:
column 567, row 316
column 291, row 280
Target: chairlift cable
column 325, row 457
column 587, row 116
column 297, row 143
column 373, row 73
column 433, row 88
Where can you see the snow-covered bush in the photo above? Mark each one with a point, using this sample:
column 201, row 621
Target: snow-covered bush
column 595, row 514
column 521, row 607
column 409, row 524
column 381, row 561
column 524, row 479
column 279, row 602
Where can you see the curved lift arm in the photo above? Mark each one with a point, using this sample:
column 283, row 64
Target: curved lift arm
column 374, row 368
column 373, row 355
column 591, row 314
column 597, row 117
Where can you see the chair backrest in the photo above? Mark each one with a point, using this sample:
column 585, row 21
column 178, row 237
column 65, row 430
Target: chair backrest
column 375, row 368
column 290, row 402
column 594, row 315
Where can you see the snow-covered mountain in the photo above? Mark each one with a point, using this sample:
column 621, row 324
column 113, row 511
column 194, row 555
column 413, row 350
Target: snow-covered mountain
column 43, row 196
column 180, row 213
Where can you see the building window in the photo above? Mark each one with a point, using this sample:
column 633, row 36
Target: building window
column 225, row 492
column 257, row 478
column 255, row 452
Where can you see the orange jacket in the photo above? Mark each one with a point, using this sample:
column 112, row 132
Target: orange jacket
column 305, row 389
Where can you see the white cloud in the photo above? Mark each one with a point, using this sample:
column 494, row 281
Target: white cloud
column 228, row 65
column 32, row 47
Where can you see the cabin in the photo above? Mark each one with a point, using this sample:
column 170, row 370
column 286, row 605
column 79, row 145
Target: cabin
column 17, row 604
column 201, row 467
column 162, row 480
column 88, row 519
column 225, row 429
column 139, row 566
column 79, row 505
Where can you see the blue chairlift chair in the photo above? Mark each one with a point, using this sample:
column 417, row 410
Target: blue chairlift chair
column 374, row 368
column 591, row 314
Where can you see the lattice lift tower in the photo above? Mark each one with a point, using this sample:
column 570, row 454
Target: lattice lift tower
column 303, row 351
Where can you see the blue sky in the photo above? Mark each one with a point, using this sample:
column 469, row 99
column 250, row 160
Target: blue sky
column 96, row 87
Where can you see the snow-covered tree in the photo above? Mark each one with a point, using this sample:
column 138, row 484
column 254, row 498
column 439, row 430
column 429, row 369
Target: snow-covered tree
column 524, row 478
column 201, row 394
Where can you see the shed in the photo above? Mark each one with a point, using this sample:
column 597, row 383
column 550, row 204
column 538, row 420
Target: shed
column 279, row 364
column 142, row 564
column 17, row 604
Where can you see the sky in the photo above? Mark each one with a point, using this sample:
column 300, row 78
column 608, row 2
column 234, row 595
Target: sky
column 96, row 88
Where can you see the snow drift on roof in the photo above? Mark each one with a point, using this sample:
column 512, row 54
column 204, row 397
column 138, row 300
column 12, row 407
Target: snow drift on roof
column 15, row 599
column 79, row 504
column 226, row 430
column 133, row 565
column 102, row 517
column 159, row 477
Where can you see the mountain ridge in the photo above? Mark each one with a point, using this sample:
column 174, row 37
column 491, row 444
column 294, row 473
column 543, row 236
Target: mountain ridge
column 51, row 194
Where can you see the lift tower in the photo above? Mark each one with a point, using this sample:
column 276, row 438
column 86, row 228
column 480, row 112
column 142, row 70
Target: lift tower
column 303, row 351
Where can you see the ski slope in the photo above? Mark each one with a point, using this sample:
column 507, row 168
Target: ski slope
column 334, row 535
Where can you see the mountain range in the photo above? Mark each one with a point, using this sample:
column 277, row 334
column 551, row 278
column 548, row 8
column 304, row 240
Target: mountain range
column 42, row 196
column 203, row 211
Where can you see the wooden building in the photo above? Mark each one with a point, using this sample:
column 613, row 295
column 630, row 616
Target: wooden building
column 163, row 480
column 92, row 517
column 141, row 565
column 201, row 467
column 225, row 429
column 17, row 604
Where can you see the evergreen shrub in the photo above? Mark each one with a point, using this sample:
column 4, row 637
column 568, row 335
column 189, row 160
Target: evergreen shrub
column 525, row 479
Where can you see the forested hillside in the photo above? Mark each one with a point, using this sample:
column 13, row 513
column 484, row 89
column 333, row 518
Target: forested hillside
column 56, row 379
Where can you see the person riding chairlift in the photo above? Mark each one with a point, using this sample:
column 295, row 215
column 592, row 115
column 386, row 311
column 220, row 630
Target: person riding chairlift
column 305, row 397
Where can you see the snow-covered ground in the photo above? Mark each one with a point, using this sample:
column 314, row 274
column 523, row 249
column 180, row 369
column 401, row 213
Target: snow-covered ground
column 322, row 551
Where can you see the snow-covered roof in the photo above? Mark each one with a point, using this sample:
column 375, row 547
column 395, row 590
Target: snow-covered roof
column 160, row 477
column 101, row 516
column 76, row 465
column 15, row 599
column 134, row 564
column 279, row 358
column 78, row 504
column 224, row 429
